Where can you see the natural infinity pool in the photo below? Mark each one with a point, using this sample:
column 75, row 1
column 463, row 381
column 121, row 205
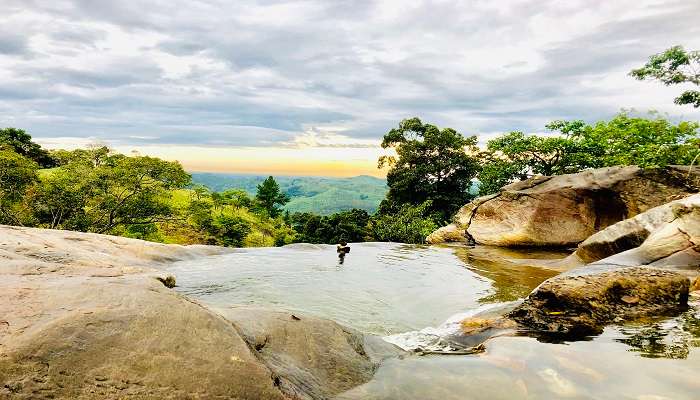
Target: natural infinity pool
column 402, row 291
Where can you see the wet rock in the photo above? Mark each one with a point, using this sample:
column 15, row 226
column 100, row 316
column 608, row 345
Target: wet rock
column 583, row 301
column 311, row 358
column 564, row 210
column 476, row 330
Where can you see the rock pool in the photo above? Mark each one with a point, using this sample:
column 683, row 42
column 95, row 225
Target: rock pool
column 404, row 292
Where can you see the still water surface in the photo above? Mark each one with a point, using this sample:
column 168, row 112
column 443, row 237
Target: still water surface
column 401, row 291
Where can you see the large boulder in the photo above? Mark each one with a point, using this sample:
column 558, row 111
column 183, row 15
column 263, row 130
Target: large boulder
column 311, row 358
column 564, row 210
column 668, row 235
column 583, row 301
column 451, row 233
column 82, row 337
column 84, row 316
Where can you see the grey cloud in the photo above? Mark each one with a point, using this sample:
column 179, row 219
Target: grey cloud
column 267, row 69
column 78, row 36
column 13, row 44
column 126, row 73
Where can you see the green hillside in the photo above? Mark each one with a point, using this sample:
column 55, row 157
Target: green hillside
column 308, row 193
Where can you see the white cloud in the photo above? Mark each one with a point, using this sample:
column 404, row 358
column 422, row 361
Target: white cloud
column 327, row 73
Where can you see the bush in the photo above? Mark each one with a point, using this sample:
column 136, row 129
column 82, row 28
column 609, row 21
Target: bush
column 409, row 224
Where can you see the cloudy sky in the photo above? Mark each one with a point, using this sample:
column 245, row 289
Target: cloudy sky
column 309, row 87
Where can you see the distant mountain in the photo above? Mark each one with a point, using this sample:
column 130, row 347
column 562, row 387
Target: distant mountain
column 308, row 193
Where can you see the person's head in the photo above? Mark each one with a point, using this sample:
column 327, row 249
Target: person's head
column 343, row 243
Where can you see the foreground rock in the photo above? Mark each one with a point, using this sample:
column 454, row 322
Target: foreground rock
column 82, row 316
column 582, row 302
column 311, row 358
column 564, row 210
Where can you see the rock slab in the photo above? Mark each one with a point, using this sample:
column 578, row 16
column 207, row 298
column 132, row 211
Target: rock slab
column 310, row 357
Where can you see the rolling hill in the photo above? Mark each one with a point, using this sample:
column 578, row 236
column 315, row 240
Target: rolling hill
column 319, row 195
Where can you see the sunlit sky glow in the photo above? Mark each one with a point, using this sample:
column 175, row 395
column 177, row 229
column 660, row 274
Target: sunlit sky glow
column 309, row 87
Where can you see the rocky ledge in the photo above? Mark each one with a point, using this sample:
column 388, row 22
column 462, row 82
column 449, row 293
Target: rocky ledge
column 83, row 316
column 564, row 210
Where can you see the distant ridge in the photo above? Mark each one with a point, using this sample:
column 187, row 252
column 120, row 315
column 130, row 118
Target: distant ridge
column 320, row 195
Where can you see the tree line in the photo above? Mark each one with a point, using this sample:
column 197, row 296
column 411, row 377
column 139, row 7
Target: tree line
column 432, row 173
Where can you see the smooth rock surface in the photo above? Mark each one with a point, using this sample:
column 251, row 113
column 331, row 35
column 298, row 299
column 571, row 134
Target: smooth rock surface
column 451, row 233
column 564, row 210
column 640, row 267
column 82, row 316
column 659, row 233
column 311, row 358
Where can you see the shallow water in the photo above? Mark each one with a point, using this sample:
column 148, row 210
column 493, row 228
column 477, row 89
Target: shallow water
column 379, row 288
column 410, row 294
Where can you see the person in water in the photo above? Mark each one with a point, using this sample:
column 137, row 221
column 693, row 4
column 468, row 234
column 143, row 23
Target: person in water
column 342, row 250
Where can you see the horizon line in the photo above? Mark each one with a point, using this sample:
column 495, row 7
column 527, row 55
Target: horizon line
column 264, row 174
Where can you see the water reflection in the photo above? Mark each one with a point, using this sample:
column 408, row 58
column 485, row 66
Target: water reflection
column 513, row 272
column 381, row 288
column 523, row 368
column 671, row 338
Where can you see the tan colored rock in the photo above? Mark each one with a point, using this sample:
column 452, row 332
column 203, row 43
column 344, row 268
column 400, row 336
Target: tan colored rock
column 311, row 358
column 664, row 237
column 83, row 337
column 447, row 234
column 477, row 325
column 582, row 301
column 457, row 230
column 640, row 268
column 83, row 316
column 633, row 232
column 564, row 210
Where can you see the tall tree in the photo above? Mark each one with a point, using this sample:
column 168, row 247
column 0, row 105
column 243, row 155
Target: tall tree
column 270, row 197
column 132, row 190
column 431, row 164
column 17, row 174
column 21, row 142
column 624, row 140
column 59, row 199
column 516, row 156
column 99, row 191
column 674, row 66
column 645, row 142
